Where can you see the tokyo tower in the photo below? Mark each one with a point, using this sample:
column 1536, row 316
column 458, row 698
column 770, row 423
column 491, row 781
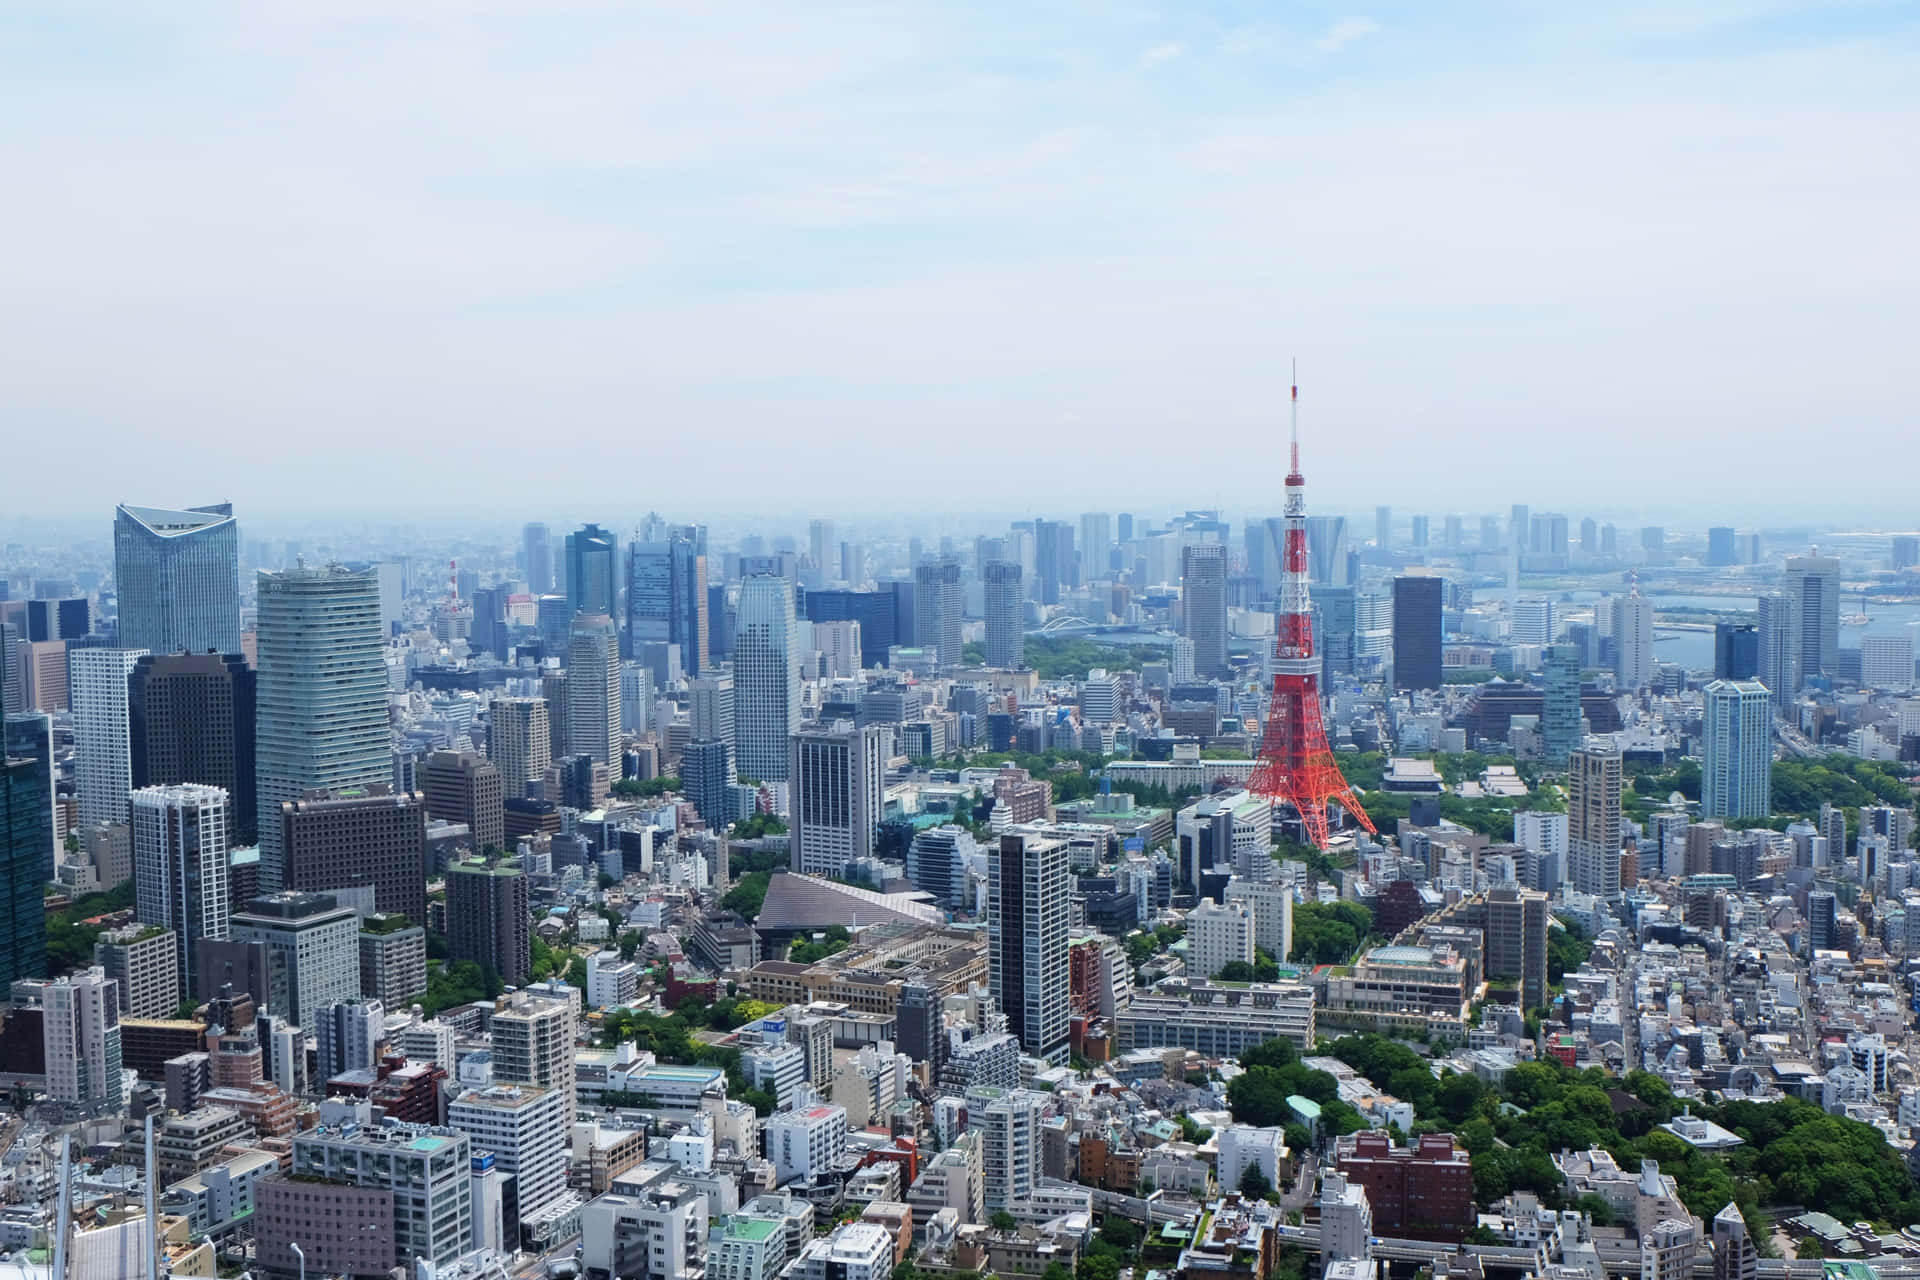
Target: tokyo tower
column 1296, row 764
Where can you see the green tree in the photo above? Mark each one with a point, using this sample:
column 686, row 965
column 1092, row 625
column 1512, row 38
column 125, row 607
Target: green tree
column 748, row 894
column 1002, row 1220
column 1254, row 1184
column 645, row 788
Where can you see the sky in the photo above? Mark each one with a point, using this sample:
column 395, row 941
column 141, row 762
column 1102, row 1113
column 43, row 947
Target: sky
column 534, row 255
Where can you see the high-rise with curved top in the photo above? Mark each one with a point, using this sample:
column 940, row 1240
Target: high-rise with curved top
column 177, row 574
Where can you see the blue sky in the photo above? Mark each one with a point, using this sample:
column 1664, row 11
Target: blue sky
column 999, row 257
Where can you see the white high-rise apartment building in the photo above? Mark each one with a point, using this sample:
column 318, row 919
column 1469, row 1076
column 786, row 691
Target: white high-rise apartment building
column 519, row 742
column 1346, row 1220
column 766, row 684
column 1633, row 641
column 593, row 691
column 526, row 1129
column 1028, row 895
column 347, row 1036
column 805, row 1142
column 181, row 872
column 1593, row 817
column 1541, row 832
column 836, row 779
column 1736, row 776
column 321, row 694
column 1182, row 667
column 1218, row 936
column 532, row 1040
column 102, row 740
column 1008, row 1122
column 1271, row 902
column 81, row 1035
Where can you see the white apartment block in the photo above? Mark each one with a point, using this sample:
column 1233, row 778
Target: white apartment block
column 526, row 1129
column 1218, row 936
column 804, row 1143
column 1271, row 902
column 102, row 739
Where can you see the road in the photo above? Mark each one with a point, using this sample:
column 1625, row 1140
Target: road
column 536, row 1268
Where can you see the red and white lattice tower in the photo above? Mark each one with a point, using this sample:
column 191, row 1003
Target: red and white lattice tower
column 1296, row 764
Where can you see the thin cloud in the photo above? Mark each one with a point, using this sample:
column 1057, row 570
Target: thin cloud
column 1162, row 53
column 1345, row 32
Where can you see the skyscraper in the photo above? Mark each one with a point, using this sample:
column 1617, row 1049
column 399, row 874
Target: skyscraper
column 26, row 836
column 178, row 578
column 1813, row 583
column 532, row 1040
column 1720, row 547
column 1203, row 606
column 1736, row 778
column 537, row 551
column 191, row 718
column 938, row 603
column 351, row 839
column 710, row 707
column 591, row 584
column 1421, row 525
column 102, row 739
column 1053, row 560
column 667, row 599
column 766, row 687
column 1383, row 528
column 593, row 691
column 180, row 867
column 1777, row 648
column 837, row 783
column 1736, row 651
column 819, row 549
column 29, row 737
column 707, row 777
column 1633, row 641
column 1006, row 641
column 1560, row 713
column 317, row 944
column 81, row 1034
column 487, row 917
column 1028, row 888
column 321, row 693
column 1336, row 622
column 465, row 787
column 1326, row 552
column 518, row 743
column 1096, row 546
column 1593, row 817
column 1417, row 632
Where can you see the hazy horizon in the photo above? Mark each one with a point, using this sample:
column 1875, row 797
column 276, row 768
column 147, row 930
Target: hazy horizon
column 516, row 258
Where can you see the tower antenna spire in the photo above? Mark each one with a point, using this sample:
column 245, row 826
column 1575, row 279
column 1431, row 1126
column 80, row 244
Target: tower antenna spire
column 1293, row 419
column 1296, row 765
